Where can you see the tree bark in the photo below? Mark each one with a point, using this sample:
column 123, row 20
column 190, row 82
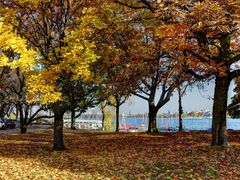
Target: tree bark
column 16, row 113
column 23, row 122
column 180, row 109
column 23, row 129
column 117, row 116
column 103, row 120
column 219, row 129
column 23, row 126
column 73, row 119
column 152, row 120
column 58, row 131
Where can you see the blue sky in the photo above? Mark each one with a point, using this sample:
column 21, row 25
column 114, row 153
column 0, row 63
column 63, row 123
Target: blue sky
column 194, row 100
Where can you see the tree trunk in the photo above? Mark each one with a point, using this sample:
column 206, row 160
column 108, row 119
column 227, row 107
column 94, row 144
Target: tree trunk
column 23, row 122
column 58, row 131
column 73, row 119
column 152, row 120
column 16, row 113
column 23, row 125
column 23, row 129
column 219, row 129
column 117, row 117
column 180, row 110
column 103, row 120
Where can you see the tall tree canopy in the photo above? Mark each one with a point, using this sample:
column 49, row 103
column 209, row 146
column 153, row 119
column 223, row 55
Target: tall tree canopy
column 60, row 31
column 207, row 39
column 145, row 68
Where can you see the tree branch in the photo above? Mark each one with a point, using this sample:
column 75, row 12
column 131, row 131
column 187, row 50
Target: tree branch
column 39, row 117
column 233, row 59
column 164, row 99
column 234, row 74
column 140, row 96
column 36, row 112
column 80, row 113
column 198, row 56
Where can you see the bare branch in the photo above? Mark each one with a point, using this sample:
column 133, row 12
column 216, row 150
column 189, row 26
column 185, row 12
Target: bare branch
column 140, row 96
column 234, row 74
column 233, row 59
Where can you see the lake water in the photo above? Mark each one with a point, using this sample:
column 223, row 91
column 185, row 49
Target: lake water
column 166, row 124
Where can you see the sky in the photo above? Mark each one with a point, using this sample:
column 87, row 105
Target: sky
column 194, row 100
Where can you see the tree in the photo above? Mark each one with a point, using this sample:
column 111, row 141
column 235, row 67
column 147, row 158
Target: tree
column 112, row 48
column 144, row 66
column 16, row 84
column 145, row 73
column 207, row 34
column 61, row 32
column 79, row 96
column 5, row 94
column 181, row 89
column 180, row 109
column 106, row 116
column 15, row 56
column 148, row 90
column 144, row 69
column 116, row 100
column 14, row 98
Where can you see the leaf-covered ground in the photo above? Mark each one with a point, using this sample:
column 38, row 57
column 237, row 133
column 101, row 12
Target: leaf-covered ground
column 118, row 156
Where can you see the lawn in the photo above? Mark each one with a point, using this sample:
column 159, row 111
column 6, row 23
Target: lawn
column 95, row 155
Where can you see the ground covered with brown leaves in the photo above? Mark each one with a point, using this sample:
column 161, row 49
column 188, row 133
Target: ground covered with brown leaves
column 118, row 156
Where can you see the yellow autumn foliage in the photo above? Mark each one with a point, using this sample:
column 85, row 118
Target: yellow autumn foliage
column 11, row 41
column 42, row 87
column 73, row 54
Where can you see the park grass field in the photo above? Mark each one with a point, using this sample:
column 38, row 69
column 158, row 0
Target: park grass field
column 96, row 155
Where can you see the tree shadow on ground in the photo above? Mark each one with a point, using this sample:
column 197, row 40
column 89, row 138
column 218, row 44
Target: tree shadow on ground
column 124, row 155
